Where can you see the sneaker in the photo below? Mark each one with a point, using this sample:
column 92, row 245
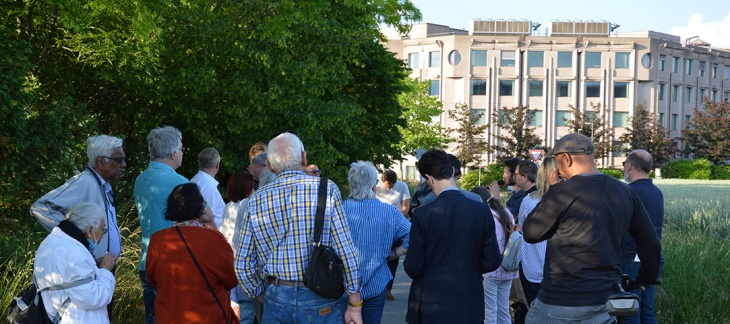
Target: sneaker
column 389, row 295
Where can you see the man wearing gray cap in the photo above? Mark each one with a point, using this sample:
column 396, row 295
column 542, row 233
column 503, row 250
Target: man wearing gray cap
column 583, row 220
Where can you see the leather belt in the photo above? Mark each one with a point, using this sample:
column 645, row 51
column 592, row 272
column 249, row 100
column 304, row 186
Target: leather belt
column 286, row 283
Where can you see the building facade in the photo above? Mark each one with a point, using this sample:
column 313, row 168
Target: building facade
column 503, row 64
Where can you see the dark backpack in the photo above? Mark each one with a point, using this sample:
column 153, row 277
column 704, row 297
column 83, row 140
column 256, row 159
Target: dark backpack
column 27, row 307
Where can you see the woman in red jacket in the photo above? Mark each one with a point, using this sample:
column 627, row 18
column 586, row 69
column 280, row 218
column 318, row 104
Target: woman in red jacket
column 191, row 266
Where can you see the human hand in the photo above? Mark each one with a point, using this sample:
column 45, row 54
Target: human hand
column 236, row 309
column 353, row 315
column 108, row 261
column 494, row 189
column 555, row 177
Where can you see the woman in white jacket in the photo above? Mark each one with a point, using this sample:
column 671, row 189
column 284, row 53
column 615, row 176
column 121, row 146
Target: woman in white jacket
column 64, row 257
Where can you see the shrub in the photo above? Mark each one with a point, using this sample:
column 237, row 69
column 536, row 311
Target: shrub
column 720, row 172
column 616, row 173
column 492, row 172
column 699, row 169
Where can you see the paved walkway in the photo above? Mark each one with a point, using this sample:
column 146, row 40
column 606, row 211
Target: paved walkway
column 395, row 310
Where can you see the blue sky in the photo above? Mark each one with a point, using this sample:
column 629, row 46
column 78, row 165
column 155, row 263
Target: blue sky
column 709, row 19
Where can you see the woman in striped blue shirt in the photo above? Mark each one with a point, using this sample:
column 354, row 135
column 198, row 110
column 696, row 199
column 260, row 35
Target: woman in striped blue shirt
column 374, row 226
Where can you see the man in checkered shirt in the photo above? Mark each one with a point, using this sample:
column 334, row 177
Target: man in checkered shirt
column 277, row 239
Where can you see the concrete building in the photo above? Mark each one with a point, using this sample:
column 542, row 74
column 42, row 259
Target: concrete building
column 502, row 64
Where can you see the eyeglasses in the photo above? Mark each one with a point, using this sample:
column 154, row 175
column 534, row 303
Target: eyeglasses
column 315, row 171
column 624, row 163
column 181, row 149
column 205, row 204
column 119, row 160
column 289, row 131
column 104, row 230
column 570, row 153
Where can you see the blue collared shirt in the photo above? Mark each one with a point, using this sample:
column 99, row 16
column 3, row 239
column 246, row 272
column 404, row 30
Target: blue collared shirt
column 151, row 190
column 374, row 227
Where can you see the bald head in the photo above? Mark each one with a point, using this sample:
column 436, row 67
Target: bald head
column 641, row 160
column 286, row 153
column 574, row 155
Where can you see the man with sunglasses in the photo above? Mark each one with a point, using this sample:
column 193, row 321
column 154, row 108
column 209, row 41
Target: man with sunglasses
column 584, row 220
column 93, row 185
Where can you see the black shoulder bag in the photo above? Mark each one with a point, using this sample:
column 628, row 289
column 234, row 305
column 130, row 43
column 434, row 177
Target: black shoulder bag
column 203, row 274
column 325, row 273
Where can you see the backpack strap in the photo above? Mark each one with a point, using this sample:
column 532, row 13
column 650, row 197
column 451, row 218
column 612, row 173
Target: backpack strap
column 321, row 204
column 60, row 286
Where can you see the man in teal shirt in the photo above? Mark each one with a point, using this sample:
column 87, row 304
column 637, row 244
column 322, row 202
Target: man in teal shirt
column 151, row 190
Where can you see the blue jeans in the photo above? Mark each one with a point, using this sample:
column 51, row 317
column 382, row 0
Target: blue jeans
column 541, row 313
column 148, row 296
column 372, row 308
column 294, row 305
column 245, row 307
column 646, row 298
column 496, row 301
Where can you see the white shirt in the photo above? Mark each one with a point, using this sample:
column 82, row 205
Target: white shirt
column 394, row 196
column 208, row 187
column 533, row 255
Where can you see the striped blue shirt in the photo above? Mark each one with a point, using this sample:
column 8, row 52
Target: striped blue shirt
column 532, row 255
column 278, row 230
column 374, row 227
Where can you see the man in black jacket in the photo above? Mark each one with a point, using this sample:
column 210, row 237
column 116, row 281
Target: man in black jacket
column 584, row 220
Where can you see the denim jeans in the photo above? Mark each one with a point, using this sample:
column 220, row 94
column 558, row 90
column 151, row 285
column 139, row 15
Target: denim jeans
column 294, row 305
column 372, row 308
column 646, row 298
column 148, row 296
column 245, row 307
column 496, row 301
column 540, row 313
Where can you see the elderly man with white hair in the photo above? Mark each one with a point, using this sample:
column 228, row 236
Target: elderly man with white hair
column 106, row 164
column 374, row 226
column 277, row 239
column 64, row 258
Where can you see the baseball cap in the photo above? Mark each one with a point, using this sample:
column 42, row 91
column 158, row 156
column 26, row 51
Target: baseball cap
column 573, row 144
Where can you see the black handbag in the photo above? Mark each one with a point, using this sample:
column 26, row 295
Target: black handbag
column 325, row 273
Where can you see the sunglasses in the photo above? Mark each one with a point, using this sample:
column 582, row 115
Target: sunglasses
column 289, row 131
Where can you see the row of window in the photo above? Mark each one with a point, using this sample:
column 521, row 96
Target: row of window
column 565, row 60
column 620, row 118
column 535, row 88
column 507, row 58
column 688, row 91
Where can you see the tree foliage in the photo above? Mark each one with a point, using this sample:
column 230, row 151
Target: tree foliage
column 706, row 134
column 593, row 125
column 646, row 133
column 226, row 73
column 467, row 135
column 419, row 111
column 516, row 138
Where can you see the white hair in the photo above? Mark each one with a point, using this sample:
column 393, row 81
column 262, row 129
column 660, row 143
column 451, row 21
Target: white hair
column 163, row 141
column 84, row 215
column 102, row 145
column 362, row 177
column 285, row 153
column 208, row 158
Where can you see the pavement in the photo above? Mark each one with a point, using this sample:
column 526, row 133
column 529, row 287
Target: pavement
column 394, row 311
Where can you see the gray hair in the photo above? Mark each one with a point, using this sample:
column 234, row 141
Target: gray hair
column 362, row 177
column 163, row 141
column 259, row 159
column 208, row 158
column 102, row 145
column 84, row 215
column 641, row 159
column 285, row 153
column 266, row 176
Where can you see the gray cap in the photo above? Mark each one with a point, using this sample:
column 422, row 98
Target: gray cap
column 573, row 144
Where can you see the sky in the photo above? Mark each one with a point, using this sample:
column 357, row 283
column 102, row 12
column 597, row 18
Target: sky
column 708, row 19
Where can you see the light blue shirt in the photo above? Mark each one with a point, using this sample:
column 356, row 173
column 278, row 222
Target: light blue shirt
column 374, row 227
column 151, row 190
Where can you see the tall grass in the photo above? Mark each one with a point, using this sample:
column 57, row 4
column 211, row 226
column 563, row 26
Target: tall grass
column 696, row 247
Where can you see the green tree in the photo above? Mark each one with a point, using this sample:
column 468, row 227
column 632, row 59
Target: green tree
column 419, row 111
column 516, row 138
column 705, row 135
column 646, row 133
column 593, row 125
column 468, row 135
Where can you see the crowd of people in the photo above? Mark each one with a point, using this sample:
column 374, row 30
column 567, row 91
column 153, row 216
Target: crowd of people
column 205, row 260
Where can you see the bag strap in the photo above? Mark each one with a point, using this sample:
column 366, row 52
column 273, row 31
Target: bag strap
column 321, row 202
column 60, row 286
column 203, row 274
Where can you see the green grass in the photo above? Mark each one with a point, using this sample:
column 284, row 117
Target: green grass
column 696, row 246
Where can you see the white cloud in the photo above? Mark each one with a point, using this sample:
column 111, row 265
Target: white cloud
column 716, row 33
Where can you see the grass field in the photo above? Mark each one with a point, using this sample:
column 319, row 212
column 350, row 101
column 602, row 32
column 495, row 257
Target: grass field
column 696, row 245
